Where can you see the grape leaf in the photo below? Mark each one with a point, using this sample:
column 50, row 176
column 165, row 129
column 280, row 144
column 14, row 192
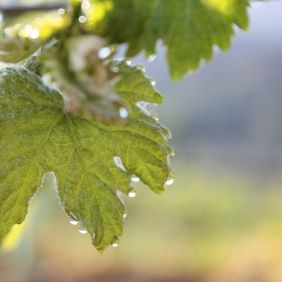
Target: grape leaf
column 189, row 28
column 85, row 80
column 37, row 137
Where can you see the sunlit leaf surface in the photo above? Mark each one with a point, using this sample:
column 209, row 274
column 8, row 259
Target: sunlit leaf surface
column 92, row 160
column 190, row 29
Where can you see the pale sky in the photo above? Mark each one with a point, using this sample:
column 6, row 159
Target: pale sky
column 266, row 18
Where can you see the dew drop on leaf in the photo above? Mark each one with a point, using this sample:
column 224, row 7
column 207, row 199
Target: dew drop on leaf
column 123, row 113
column 82, row 19
column 85, row 5
column 114, row 69
column 168, row 134
column 118, row 162
column 61, row 11
column 34, row 33
column 128, row 62
column 172, row 153
column 82, row 231
column 153, row 82
column 169, row 181
column 73, row 222
column 155, row 117
column 135, row 178
column 115, row 244
column 132, row 194
column 104, row 53
column 141, row 68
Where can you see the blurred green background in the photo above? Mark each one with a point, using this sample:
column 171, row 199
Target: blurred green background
column 222, row 219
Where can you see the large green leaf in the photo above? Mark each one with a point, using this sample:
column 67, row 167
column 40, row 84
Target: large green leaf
column 37, row 137
column 189, row 28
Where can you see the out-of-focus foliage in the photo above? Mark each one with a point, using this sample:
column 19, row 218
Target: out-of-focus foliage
column 189, row 29
column 23, row 35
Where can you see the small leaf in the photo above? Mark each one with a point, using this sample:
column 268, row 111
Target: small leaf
column 189, row 28
column 37, row 137
column 75, row 69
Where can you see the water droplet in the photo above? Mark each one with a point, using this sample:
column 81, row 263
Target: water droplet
column 124, row 216
column 155, row 117
column 169, row 181
column 151, row 58
column 104, row 53
column 132, row 194
column 135, row 178
column 29, row 31
column 34, row 33
column 61, row 11
column 128, row 62
column 118, row 162
column 123, row 113
column 82, row 231
column 167, row 133
column 85, row 5
column 172, row 153
column 115, row 244
column 141, row 68
column 73, row 221
column 8, row 31
column 114, row 69
column 28, row 28
column 153, row 82
column 82, row 19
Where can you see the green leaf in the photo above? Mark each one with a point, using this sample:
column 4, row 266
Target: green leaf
column 189, row 28
column 37, row 137
column 74, row 68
